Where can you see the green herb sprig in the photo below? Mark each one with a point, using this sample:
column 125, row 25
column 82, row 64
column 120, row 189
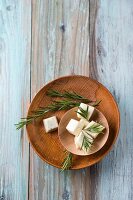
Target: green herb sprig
column 54, row 106
column 96, row 103
column 86, row 143
column 68, row 95
column 95, row 128
column 64, row 104
column 67, row 163
column 87, row 132
column 83, row 113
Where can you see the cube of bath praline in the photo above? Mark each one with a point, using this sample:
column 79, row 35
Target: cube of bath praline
column 84, row 107
column 50, row 124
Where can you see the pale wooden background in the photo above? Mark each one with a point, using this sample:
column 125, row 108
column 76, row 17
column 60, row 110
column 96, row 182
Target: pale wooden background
column 97, row 42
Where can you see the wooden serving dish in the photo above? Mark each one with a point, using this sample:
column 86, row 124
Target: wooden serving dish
column 47, row 145
column 67, row 139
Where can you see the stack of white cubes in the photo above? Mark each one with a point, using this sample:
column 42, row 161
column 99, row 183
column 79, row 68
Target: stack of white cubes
column 76, row 127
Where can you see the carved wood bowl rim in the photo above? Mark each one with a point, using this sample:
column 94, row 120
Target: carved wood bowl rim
column 103, row 151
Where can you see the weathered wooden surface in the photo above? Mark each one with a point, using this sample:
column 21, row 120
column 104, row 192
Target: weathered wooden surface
column 15, row 42
column 114, row 42
column 96, row 40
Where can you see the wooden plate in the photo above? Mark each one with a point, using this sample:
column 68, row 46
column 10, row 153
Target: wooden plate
column 47, row 145
column 67, row 139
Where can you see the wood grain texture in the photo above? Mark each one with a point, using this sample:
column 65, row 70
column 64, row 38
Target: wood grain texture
column 56, row 52
column 87, row 37
column 114, row 47
column 108, row 60
column 15, row 39
column 40, row 140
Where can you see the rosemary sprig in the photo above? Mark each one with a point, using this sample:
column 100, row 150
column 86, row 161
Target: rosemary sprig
column 22, row 123
column 67, row 163
column 84, row 131
column 54, row 106
column 64, row 104
column 86, row 143
column 83, row 113
column 95, row 128
column 96, row 103
column 68, row 95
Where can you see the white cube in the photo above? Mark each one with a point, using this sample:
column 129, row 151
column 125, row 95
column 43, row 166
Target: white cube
column 90, row 124
column 79, row 140
column 93, row 134
column 50, row 124
column 81, row 124
column 85, row 107
column 75, row 127
column 89, row 137
column 90, row 111
column 72, row 126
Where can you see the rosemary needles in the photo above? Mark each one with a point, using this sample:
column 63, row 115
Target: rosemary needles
column 68, row 95
column 86, row 144
column 95, row 128
column 83, row 113
column 56, row 105
column 67, row 163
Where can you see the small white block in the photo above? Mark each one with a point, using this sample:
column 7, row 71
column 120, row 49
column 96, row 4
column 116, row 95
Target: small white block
column 72, row 126
column 50, row 124
column 91, row 110
column 94, row 135
column 79, row 140
column 90, row 138
column 90, row 124
column 84, row 107
column 86, row 122
column 79, row 127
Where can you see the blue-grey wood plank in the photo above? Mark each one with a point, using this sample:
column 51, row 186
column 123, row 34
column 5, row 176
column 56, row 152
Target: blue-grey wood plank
column 56, row 52
column 97, row 41
column 15, row 37
column 114, row 50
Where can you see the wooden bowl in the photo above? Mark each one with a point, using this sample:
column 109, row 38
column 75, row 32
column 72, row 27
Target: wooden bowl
column 67, row 139
column 48, row 145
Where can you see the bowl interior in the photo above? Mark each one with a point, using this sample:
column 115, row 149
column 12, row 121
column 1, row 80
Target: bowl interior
column 67, row 139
